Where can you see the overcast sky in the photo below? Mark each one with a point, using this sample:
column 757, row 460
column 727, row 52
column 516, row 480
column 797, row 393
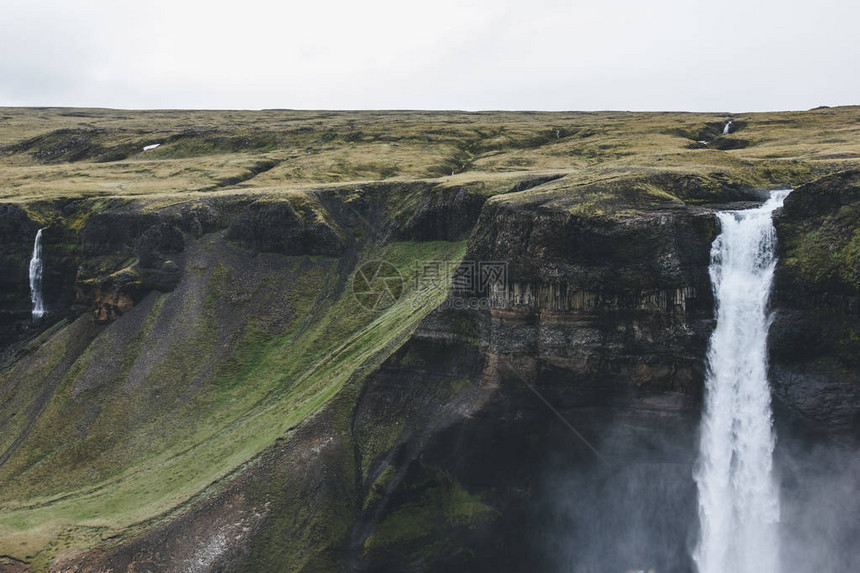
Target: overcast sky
column 715, row 55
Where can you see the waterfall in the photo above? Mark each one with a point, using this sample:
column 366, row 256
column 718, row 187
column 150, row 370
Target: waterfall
column 36, row 266
column 738, row 496
column 727, row 127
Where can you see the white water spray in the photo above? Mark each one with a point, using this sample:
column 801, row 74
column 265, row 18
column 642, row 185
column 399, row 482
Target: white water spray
column 36, row 266
column 738, row 496
column 727, row 128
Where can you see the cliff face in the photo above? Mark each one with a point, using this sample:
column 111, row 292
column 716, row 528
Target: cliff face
column 815, row 342
column 602, row 324
column 60, row 251
column 16, row 232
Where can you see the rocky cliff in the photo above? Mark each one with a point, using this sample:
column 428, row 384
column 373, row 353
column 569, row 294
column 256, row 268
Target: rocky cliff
column 814, row 342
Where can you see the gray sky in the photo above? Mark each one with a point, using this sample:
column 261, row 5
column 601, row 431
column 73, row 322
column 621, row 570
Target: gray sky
column 715, row 55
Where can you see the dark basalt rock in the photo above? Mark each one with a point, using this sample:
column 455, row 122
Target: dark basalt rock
column 123, row 251
column 111, row 240
column 157, row 243
column 605, row 318
column 469, row 416
column 665, row 249
column 727, row 143
column 107, row 297
column 59, row 252
column 814, row 340
column 276, row 226
column 451, row 213
column 199, row 219
column 822, row 197
column 443, row 214
column 115, row 232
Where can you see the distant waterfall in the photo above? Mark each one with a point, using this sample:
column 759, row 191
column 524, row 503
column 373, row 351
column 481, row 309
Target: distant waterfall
column 738, row 498
column 727, row 128
column 36, row 267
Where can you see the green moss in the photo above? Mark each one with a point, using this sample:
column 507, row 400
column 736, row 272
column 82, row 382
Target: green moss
column 378, row 487
column 462, row 508
column 412, row 358
column 457, row 385
column 825, row 253
column 218, row 284
column 382, row 440
column 410, row 523
column 465, row 327
column 70, row 220
column 441, row 507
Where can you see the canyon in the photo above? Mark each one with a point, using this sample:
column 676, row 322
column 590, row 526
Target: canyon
column 205, row 392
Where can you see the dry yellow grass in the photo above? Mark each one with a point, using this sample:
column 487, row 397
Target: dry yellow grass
column 216, row 151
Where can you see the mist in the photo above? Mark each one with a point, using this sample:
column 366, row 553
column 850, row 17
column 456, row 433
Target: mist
column 639, row 514
column 820, row 499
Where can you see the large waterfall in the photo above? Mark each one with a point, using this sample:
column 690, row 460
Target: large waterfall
column 36, row 267
column 738, row 497
column 727, row 128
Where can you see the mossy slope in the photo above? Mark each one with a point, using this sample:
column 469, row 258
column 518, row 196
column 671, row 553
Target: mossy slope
column 187, row 385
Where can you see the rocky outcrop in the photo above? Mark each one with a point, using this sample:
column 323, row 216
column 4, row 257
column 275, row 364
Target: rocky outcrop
column 602, row 323
column 107, row 297
column 104, row 257
column 157, row 243
column 282, row 227
column 115, row 231
column 9, row 565
column 663, row 249
column 815, row 336
column 450, row 213
column 126, row 253
column 443, row 214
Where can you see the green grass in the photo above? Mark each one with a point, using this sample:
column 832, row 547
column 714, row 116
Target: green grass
column 269, row 384
column 825, row 254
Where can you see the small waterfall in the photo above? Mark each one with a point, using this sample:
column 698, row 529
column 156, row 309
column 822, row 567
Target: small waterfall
column 36, row 267
column 727, row 128
column 738, row 497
